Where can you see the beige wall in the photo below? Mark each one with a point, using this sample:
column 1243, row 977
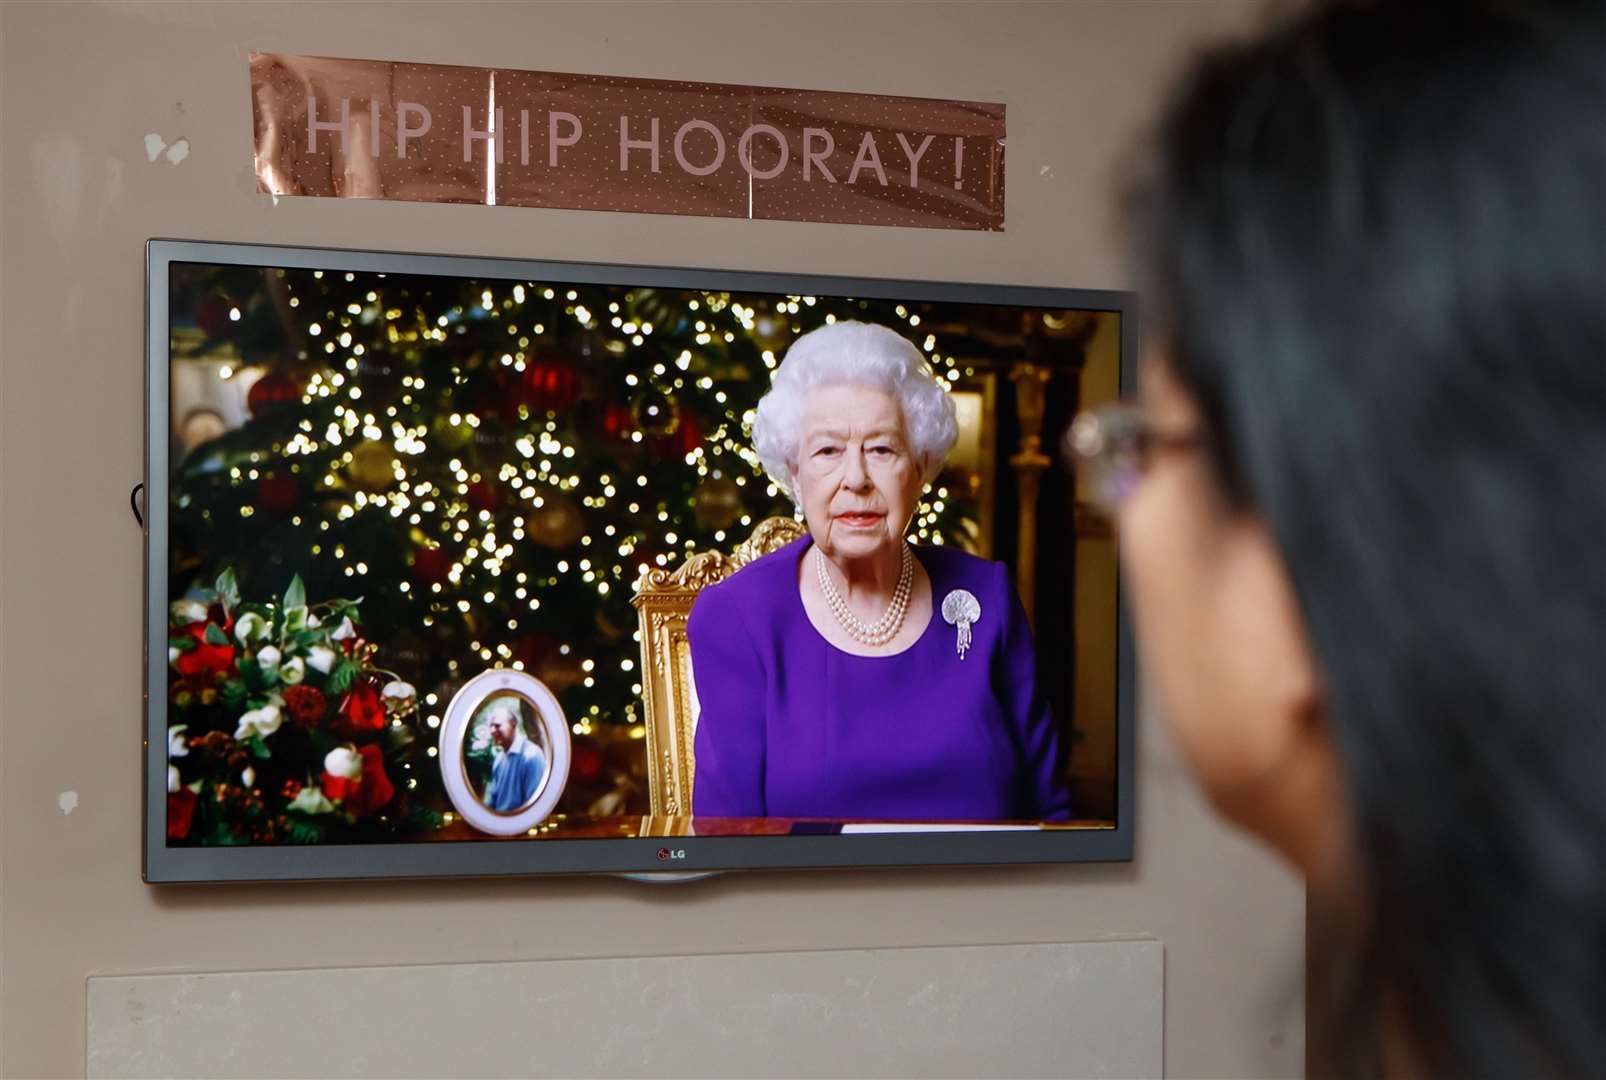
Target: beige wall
column 82, row 86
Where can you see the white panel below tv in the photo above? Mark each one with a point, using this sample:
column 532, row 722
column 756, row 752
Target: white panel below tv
column 1087, row 1009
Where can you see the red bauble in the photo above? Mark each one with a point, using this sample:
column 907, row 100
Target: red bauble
column 212, row 315
column 617, row 420
column 486, row 495
column 587, row 763
column 551, row 383
column 691, row 433
column 687, row 436
column 273, row 389
column 535, row 648
column 277, row 493
column 431, row 565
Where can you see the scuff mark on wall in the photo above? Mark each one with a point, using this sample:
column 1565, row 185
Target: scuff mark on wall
column 154, row 145
column 178, row 151
column 68, row 801
column 58, row 173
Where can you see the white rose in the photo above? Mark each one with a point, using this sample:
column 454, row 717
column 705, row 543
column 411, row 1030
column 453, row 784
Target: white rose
column 173, row 655
column 268, row 658
column 313, row 622
column 344, row 630
column 321, row 658
column 292, row 671
column 344, row 762
column 261, row 722
column 311, row 800
column 185, row 612
column 172, row 779
column 250, row 627
column 249, row 777
column 176, row 744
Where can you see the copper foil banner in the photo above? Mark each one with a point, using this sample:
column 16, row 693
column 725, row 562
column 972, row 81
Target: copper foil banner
column 369, row 129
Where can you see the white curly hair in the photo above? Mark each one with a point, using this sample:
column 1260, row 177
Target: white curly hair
column 854, row 354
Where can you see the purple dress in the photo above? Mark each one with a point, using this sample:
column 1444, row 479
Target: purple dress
column 791, row 726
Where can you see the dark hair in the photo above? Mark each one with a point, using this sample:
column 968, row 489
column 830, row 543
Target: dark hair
column 1376, row 240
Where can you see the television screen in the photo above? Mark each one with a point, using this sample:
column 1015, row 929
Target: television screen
column 473, row 566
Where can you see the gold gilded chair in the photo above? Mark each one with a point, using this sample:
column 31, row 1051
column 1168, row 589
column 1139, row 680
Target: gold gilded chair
column 663, row 602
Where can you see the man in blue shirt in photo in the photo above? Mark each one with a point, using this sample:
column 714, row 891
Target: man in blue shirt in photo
column 517, row 772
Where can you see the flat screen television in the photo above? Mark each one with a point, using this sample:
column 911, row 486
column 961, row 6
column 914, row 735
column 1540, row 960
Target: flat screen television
column 466, row 566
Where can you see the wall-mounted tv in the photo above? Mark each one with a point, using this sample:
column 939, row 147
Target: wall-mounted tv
column 465, row 566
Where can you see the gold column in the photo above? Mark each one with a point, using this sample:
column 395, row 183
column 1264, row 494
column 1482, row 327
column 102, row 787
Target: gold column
column 1029, row 462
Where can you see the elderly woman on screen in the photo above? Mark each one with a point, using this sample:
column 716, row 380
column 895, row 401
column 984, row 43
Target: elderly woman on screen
column 850, row 675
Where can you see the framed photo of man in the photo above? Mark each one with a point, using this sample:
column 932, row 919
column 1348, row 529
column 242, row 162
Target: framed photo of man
column 504, row 752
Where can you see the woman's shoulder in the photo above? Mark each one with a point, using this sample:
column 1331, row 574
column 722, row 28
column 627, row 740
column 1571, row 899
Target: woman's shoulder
column 951, row 568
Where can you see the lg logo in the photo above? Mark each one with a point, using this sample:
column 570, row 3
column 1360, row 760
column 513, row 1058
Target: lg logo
column 666, row 854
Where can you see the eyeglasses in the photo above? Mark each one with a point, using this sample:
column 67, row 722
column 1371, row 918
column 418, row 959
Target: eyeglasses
column 1110, row 448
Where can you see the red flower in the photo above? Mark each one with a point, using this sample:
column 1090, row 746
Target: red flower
column 180, row 812
column 361, row 710
column 371, row 789
column 205, row 657
column 218, row 658
column 306, row 703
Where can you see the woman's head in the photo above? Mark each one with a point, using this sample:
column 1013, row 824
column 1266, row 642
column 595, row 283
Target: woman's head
column 853, row 427
column 1373, row 600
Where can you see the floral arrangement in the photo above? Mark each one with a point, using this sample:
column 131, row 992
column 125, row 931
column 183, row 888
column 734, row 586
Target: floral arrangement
column 281, row 728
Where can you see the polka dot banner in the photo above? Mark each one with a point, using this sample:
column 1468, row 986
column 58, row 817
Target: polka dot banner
column 369, row 129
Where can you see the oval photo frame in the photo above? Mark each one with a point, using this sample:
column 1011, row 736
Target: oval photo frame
column 460, row 714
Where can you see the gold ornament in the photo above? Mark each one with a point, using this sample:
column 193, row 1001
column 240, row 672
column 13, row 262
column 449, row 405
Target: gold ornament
column 449, row 435
column 717, row 503
column 655, row 412
column 557, row 522
column 372, row 467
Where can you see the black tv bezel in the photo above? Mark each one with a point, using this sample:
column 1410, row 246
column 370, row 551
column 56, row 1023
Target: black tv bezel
column 162, row 864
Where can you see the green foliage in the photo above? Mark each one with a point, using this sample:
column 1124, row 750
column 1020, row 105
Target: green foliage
column 342, row 675
column 304, row 828
column 296, row 595
column 228, row 590
column 255, row 680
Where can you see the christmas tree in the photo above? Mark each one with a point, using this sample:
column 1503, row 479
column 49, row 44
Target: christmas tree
column 484, row 467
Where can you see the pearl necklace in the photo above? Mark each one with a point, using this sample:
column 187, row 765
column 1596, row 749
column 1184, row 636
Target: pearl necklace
column 883, row 629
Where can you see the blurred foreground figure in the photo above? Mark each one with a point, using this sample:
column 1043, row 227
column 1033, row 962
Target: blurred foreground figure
column 1363, row 508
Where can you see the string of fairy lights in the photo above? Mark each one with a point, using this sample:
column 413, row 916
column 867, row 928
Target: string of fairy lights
column 483, row 544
